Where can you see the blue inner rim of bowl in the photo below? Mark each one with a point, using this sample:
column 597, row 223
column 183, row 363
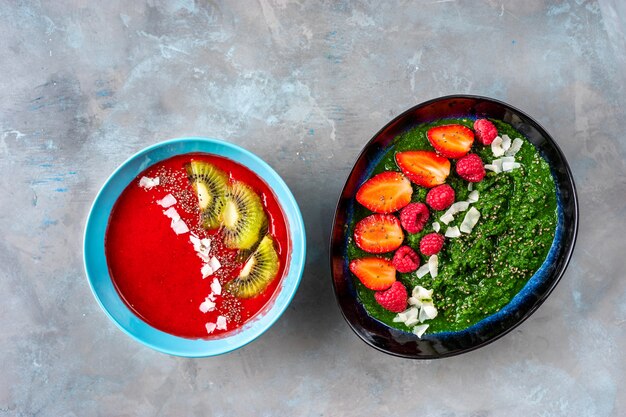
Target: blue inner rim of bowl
column 97, row 270
column 540, row 276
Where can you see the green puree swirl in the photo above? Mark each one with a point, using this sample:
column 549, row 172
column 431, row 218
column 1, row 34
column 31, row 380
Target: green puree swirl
column 481, row 272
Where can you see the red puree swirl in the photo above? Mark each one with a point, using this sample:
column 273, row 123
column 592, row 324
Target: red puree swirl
column 157, row 273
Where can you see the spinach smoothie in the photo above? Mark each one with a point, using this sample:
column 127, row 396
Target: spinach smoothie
column 478, row 272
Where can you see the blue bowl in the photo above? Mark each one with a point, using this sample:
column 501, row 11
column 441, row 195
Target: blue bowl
column 98, row 272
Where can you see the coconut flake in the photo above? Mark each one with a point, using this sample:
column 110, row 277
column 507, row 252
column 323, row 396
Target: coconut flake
column 148, row 183
column 473, row 196
column 422, row 271
column 460, row 206
column 446, row 218
column 427, row 312
column 400, row 317
column 491, row 167
column 172, row 213
column 167, row 201
column 412, row 313
column 206, row 271
column 506, row 142
column 470, row 220
column 515, row 147
column 215, row 264
column 419, row 330
column 452, row 232
column 498, row 164
column 179, row 226
column 436, row 226
column 207, row 305
column 510, row 166
column 496, row 147
column 422, row 293
column 470, row 186
column 414, row 301
column 507, row 159
column 221, row 323
column 410, row 322
column 433, row 265
column 210, row 327
column 216, row 287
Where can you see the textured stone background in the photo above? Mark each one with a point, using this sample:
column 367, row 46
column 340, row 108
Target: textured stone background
column 303, row 84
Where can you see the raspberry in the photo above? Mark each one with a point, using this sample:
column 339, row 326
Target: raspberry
column 486, row 132
column 471, row 168
column 414, row 217
column 441, row 197
column 431, row 244
column 394, row 299
column 405, row 260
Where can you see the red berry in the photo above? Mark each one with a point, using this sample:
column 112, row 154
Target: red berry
column 471, row 168
column 414, row 217
column 405, row 260
column 394, row 299
column 431, row 244
column 486, row 132
column 440, row 197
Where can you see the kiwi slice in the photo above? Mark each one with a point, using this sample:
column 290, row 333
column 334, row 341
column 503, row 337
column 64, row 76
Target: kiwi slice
column 258, row 272
column 210, row 184
column 243, row 217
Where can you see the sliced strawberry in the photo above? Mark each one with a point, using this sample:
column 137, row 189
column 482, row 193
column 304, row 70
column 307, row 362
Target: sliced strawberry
column 451, row 141
column 385, row 193
column 375, row 273
column 378, row 233
column 424, row 168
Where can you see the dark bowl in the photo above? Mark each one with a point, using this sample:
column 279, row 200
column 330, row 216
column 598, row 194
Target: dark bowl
column 439, row 345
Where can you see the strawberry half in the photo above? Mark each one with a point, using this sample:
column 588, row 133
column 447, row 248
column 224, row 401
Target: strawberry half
column 375, row 273
column 424, row 168
column 385, row 193
column 378, row 233
column 451, row 141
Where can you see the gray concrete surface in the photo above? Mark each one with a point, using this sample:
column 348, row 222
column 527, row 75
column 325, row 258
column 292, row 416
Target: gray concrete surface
column 303, row 84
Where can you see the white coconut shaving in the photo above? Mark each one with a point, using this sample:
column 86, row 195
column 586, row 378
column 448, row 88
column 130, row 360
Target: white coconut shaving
column 422, row 270
column 207, row 305
column 206, row 271
column 215, row 264
column 172, row 213
column 221, row 323
column 510, row 166
column 470, row 220
column 436, row 226
column 459, row 206
column 446, row 218
column 515, row 147
column 210, row 327
column 148, row 183
column 496, row 147
column 179, row 226
column 473, row 196
column 410, row 322
column 167, row 201
column 427, row 312
column 506, row 142
column 453, row 232
column 433, row 265
column 216, row 287
column 420, row 330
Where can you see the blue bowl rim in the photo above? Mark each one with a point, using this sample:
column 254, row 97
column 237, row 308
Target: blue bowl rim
column 296, row 263
column 559, row 274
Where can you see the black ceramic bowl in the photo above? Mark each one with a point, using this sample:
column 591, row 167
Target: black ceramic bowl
column 439, row 345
